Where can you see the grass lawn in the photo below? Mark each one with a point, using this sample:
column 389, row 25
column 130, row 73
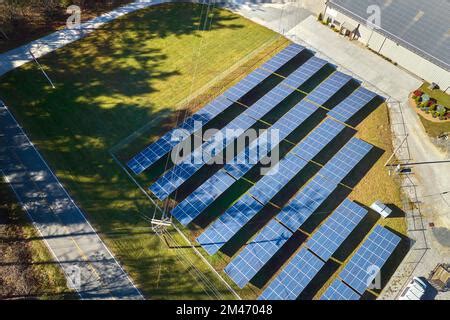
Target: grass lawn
column 434, row 129
column 110, row 84
column 27, row 268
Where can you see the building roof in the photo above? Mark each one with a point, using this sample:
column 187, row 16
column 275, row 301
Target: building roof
column 421, row 26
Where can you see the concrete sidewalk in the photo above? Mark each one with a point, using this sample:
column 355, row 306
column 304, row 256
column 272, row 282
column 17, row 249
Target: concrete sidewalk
column 40, row 47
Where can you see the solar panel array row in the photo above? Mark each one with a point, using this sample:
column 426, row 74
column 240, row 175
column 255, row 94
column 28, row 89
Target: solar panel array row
column 339, row 291
column 168, row 141
column 282, row 58
column 229, row 223
column 363, row 267
column 160, row 148
column 213, row 238
column 293, row 279
column 173, row 178
column 345, row 160
column 247, row 84
column 336, row 229
column 318, row 139
column 256, row 254
column 354, row 103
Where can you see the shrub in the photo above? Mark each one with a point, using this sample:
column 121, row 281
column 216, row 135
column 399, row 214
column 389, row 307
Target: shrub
column 441, row 110
column 434, row 114
column 320, row 17
column 417, row 93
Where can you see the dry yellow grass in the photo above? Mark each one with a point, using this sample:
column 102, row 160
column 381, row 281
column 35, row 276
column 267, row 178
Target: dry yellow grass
column 377, row 184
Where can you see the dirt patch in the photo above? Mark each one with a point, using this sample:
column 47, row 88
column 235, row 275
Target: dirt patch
column 32, row 20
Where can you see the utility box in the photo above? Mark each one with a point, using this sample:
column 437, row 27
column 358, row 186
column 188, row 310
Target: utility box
column 381, row 208
column 440, row 277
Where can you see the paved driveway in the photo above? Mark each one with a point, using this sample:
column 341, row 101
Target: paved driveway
column 93, row 271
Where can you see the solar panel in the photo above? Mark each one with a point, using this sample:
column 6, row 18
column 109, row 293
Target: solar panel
column 282, row 57
column 306, row 202
column 226, row 226
column 173, row 178
column 329, row 87
column 298, row 77
column 245, row 160
column 163, row 145
column 294, row 277
column 339, row 291
column 277, row 177
column 329, row 237
column 188, row 209
column 352, row 104
column 370, row 257
column 256, row 254
column 345, row 160
column 318, row 139
column 247, row 84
